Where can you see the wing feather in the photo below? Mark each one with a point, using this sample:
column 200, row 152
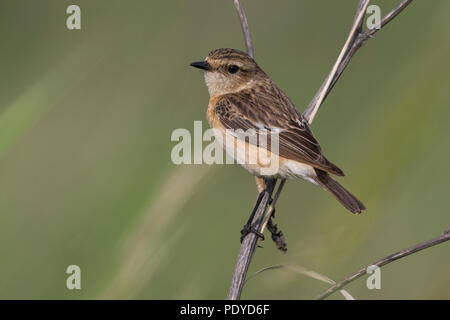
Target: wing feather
column 272, row 110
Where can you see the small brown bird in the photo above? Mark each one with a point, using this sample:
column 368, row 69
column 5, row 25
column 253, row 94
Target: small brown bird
column 243, row 97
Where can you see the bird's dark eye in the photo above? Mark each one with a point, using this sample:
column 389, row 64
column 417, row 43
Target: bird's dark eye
column 233, row 69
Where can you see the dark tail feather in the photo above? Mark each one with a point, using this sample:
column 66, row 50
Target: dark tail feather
column 332, row 168
column 339, row 192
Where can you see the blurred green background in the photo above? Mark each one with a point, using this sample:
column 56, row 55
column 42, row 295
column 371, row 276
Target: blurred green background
column 86, row 177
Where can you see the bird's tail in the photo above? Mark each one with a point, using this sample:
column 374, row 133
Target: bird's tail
column 339, row 192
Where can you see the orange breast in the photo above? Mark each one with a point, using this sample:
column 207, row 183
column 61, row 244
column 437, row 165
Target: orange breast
column 214, row 122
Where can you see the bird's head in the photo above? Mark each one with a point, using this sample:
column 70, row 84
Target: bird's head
column 229, row 71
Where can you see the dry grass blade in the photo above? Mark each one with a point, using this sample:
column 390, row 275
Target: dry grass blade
column 346, row 295
column 306, row 272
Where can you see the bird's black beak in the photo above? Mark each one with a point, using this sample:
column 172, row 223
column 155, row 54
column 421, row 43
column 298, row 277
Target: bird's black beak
column 201, row 65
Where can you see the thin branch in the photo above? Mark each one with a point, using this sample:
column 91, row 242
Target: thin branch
column 248, row 246
column 357, row 24
column 391, row 15
column 358, row 40
column 245, row 29
column 361, row 5
column 391, row 258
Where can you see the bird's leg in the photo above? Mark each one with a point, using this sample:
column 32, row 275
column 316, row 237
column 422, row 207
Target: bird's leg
column 272, row 203
column 260, row 184
column 248, row 227
column 277, row 235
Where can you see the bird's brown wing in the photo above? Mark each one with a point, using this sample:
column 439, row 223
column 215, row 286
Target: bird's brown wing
column 273, row 111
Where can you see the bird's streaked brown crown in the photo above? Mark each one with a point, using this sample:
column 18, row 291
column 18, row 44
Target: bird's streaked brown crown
column 228, row 53
column 220, row 59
